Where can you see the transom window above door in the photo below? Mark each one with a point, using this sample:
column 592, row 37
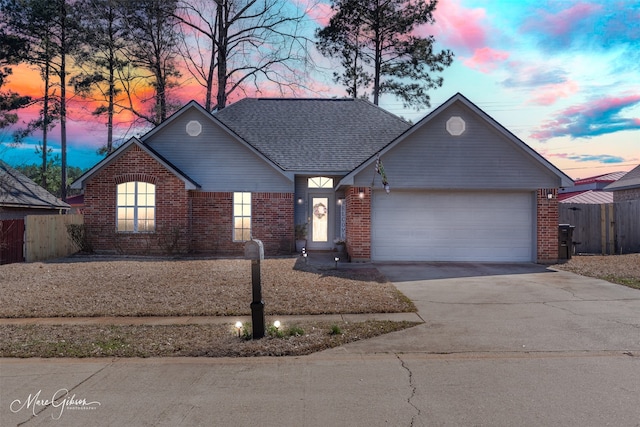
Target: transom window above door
column 320, row 182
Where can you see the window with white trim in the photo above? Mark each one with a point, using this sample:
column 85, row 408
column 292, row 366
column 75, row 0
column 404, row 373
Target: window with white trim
column 241, row 217
column 136, row 207
column 320, row 182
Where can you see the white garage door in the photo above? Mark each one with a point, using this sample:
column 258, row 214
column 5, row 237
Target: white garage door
column 452, row 226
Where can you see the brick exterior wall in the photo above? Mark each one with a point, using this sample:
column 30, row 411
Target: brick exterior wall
column 626, row 195
column 547, row 226
column 358, row 224
column 171, row 206
column 186, row 221
column 212, row 223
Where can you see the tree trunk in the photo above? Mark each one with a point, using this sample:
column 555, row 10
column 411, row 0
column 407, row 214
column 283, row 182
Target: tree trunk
column 63, row 100
column 222, row 16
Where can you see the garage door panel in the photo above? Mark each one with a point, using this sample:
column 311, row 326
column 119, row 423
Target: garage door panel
column 459, row 226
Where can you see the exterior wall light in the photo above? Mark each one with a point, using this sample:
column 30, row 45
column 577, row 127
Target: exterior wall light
column 361, row 192
column 300, row 201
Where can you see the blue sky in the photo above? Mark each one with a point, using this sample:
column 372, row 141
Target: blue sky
column 564, row 76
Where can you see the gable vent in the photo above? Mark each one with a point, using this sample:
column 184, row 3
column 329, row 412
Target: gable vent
column 456, row 126
column 194, row 128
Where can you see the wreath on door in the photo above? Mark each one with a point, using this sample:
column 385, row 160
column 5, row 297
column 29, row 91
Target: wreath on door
column 319, row 210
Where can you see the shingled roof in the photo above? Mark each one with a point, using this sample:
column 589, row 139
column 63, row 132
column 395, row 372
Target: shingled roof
column 630, row 180
column 314, row 135
column 18, row 191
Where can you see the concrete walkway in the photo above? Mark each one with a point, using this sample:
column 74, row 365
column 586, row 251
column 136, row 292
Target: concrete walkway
column 502, row 345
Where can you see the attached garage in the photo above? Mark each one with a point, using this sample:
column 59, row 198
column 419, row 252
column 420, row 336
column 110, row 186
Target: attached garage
column 488, row 226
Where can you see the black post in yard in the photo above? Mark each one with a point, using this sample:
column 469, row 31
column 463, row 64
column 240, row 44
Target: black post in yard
column 257, row 306
column 254, row 251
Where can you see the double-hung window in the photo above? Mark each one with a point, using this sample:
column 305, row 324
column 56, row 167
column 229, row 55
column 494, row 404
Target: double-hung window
column 241, row 217
column 136, row 207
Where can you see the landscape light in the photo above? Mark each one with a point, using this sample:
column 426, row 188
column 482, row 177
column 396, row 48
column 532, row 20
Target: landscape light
column 238, row 327
column 276, row 324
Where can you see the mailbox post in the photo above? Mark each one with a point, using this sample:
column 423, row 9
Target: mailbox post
column 254, row 251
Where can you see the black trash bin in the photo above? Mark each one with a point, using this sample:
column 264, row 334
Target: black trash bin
column 565, row 241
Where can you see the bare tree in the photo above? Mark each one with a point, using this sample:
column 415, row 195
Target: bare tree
column 230, row 44
column 152, row 35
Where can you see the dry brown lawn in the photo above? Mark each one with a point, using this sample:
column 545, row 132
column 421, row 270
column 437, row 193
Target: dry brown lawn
column 621, row 269
column 95, row 286
column 90, row 286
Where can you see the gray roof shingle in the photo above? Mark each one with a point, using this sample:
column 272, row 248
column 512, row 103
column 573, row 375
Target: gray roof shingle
column 315, row 135
column 16, row 190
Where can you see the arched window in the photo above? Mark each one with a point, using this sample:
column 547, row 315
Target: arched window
column 320, row 182
column 136, row 207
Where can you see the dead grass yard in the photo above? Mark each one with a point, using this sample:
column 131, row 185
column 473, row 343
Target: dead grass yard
column 91, row 286
column 95, row 286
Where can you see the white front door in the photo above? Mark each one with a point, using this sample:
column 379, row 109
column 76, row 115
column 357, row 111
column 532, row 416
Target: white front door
column 320, row 218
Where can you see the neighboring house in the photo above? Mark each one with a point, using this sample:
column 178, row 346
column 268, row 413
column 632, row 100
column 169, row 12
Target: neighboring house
column 20, row 196
column 590, row 197
column 462, row 187
column 627, row 187
column 592, row 184
column 77, row 203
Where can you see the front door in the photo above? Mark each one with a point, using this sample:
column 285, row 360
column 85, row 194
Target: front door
column 320, row 222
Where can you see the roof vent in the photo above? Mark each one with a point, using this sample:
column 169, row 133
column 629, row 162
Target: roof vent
column 456, row 126
column 194, row 128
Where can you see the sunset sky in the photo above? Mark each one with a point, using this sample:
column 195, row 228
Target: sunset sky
column 563, row 76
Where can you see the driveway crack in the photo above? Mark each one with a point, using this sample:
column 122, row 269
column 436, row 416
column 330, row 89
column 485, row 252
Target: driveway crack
column 412, row 387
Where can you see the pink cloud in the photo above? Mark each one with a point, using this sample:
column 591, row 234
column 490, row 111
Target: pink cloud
column 593, row 118
column 486, row 59
column 560, row 26
column 549, row 94
column 321, row 13
column 458, row 28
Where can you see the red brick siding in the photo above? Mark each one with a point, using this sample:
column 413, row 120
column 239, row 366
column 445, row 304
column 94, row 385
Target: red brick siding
column 171, row 206
column 547, row 226
column 358, row 224
column 212, row 219
column 193, row 221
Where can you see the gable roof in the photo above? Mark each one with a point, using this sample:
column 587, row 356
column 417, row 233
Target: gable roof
column 314, row 135
column 565, row 181
column 589, row 197
column 608, row 177
column 630, row 180
column 18, row 191
column 188, row 182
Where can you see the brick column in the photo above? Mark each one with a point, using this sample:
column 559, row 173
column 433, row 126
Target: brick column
column 358, row 223
column 547, row 226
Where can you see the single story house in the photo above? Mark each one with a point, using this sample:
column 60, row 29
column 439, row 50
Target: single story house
column 593, row 187
column 20, row 196
column 456, row 186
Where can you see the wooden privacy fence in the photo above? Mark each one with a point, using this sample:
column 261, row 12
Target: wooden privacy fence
column 46, row 236
column 611, row 228
column 11, row 241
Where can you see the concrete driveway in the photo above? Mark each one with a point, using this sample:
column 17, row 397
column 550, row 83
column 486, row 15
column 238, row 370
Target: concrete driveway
column 502, row 345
